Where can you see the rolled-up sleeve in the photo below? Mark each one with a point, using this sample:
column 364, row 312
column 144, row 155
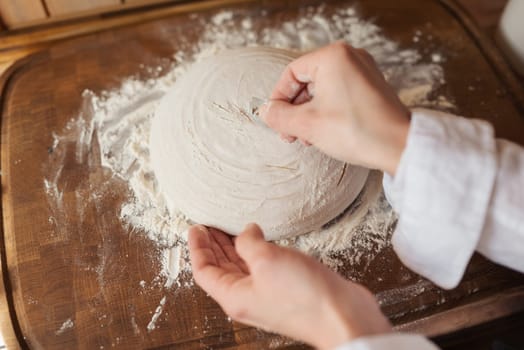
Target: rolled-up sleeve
column 391, row 341
column 457, row 189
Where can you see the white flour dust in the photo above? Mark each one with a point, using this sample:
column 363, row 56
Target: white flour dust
column 160, row 308
column 119, row 121
column 68, row 324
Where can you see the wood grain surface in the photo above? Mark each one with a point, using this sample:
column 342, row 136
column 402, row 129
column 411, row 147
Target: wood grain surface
column 47, row 264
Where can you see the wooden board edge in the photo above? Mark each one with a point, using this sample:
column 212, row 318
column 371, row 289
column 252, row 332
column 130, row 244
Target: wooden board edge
column 7, row 328
column 473, row 314
column 494, row 57
column 88, row 26
column 490, row 51
column 9, row 324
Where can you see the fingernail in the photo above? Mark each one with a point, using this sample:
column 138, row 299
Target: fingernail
column 252, row 226
column 305, row 143
column 311, row 90
column 202, row 229
column 294, row 87
column 249, row 226
column 303, row 78
column 287, row 138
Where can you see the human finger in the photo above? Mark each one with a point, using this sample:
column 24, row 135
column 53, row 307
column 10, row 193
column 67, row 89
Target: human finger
column 303, row 96
column 287, row 119
column 288, row 138
column 252, row 247
column 226, row 243
column 217, row 281
column 295, row 77
column 287, row 87
column 217, row 248
column 200, row 250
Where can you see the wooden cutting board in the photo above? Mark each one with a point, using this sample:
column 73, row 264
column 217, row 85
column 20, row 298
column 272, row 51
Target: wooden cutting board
column 47, row 264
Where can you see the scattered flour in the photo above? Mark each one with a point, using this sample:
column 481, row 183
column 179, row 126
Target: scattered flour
column 68, row 324
column 119, row 121
column 160, row 308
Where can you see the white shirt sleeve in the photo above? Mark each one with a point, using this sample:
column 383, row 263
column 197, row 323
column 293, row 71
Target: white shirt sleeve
column 390, row 341
column 457, row 189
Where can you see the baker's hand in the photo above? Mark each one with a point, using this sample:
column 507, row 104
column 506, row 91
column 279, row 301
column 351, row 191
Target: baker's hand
column 336, row 99
column 281, row 290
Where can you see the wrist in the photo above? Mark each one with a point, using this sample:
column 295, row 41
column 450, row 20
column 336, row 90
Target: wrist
column 351, row 315
column 396, row 144
column 340, row 332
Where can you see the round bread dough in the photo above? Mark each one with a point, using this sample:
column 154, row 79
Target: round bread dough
column 220, row 168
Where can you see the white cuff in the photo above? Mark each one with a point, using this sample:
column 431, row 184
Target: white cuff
column 441, row 191
column 390, row 341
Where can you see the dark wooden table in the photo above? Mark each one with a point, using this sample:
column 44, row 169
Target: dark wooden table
column 43, row 262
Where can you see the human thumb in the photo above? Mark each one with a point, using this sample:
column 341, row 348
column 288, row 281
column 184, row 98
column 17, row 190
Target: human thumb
column 252, row 247
column 287, row 118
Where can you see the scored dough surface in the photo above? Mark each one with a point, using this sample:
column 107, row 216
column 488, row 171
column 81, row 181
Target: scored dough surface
column 221, row 169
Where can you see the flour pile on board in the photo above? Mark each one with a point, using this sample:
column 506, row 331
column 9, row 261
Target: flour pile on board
column 120, row 119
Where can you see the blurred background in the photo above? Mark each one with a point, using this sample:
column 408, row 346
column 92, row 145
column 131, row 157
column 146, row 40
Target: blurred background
column 27, row 26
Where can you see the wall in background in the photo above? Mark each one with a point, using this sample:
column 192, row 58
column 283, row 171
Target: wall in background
column 27, row 13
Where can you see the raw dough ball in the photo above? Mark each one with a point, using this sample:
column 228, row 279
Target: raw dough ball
column 221, row 169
